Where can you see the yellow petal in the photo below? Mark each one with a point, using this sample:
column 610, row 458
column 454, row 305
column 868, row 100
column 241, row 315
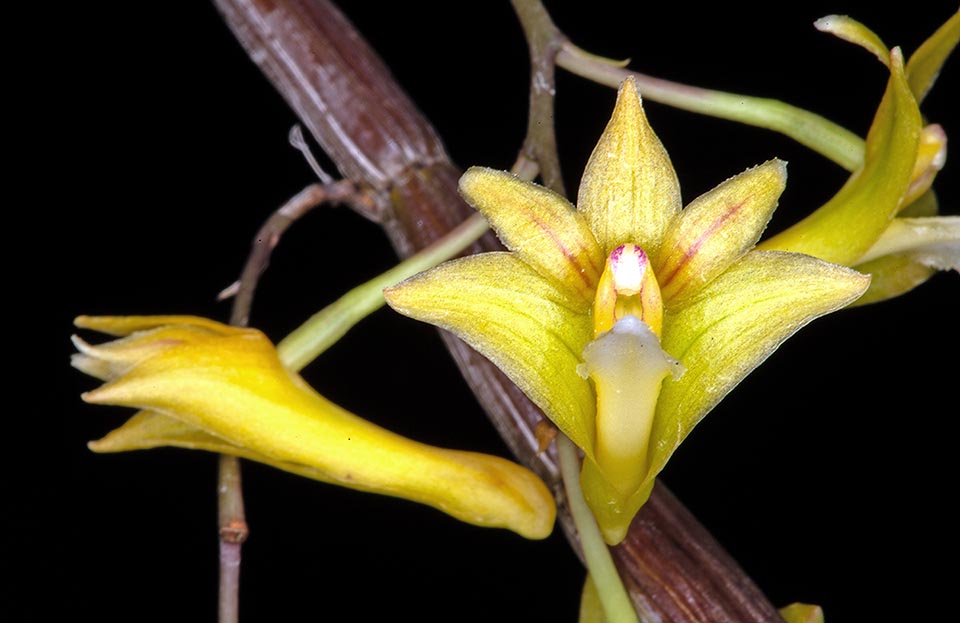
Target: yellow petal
column 149, row 429
column 519, row 321
column 233, row 387
column 850, row 223
column 125, row 325
column 802, row 613
column 629, row 192
column 735, row 323
column 925, row 64
column 716, row 229
column 110, row 360
column 540, row 227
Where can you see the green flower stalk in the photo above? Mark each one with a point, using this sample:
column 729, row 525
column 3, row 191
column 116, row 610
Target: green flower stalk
column 627, row 318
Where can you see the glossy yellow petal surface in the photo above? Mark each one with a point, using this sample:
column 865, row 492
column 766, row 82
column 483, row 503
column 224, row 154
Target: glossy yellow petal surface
column 733, row 325
column 716, row 229
column 230, row 385
column 629, row 192
column 517, row 319
column 540, row 227
column 925, row 64
column 844, row 228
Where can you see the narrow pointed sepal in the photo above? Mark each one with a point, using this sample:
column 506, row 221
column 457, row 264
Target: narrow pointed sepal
column 716, row 229
column 150, row 429
column 540, row 227
column 735, row 323
column 629, row 191
column 518, row 320
column 127, row 325
column 925, row 64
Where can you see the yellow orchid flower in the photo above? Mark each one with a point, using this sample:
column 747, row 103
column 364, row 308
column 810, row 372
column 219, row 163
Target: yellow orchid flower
column 204, row 385
column 626, row 319
column 883, row 221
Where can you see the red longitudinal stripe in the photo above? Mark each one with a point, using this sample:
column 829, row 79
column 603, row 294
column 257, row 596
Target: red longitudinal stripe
column 566, row 253
column 691, row 250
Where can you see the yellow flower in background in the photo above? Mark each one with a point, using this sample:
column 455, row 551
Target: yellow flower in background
column 204, row 385
column 802, row 613
column 626, row 319
column 884, row 221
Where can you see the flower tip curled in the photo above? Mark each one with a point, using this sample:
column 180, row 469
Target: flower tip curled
column 825, row 23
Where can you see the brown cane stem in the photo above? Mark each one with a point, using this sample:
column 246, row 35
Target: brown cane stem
column 544, row 41
column 233, row 532
column 671, row 566
column 231, row 516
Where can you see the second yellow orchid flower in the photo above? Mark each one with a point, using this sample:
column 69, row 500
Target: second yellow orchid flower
column 204, row 385
column 626, row 319
column 884, row 221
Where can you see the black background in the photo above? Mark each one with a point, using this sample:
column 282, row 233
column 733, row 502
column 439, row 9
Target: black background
column 154, row 149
